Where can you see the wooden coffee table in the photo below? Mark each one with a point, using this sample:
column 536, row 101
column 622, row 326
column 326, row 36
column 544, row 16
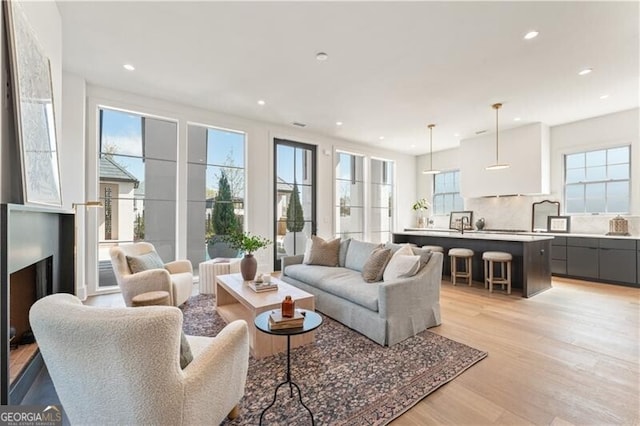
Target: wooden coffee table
column 235, row 300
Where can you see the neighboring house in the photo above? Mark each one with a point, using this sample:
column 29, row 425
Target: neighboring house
column 119, row 191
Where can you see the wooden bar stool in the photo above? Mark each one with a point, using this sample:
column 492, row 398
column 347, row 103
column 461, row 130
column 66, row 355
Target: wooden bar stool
column 465, row 254
column 491, row 257
column 434, row 248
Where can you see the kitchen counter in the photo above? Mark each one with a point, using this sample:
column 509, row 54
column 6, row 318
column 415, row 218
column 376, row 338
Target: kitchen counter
column 531, row 264
column 441, row 232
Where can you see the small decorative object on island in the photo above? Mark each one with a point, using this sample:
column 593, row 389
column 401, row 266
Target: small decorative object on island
column 288, row 307
column 618, row 226
column 419, row 207
column 480, row 224
column 247, row 243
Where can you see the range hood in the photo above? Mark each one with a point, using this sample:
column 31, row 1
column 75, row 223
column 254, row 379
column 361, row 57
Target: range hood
column 525, row 148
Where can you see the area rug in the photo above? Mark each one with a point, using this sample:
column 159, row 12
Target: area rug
column 345, row 378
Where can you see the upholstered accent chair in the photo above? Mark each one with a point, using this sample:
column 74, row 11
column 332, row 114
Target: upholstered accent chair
column 174, row 277
column 121, row 365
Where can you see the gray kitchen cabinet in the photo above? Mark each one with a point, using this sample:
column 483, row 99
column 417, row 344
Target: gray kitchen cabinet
column 559, row 256
column 617, row 260
column 582, row 257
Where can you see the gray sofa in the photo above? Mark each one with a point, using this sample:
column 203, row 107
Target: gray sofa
column 385, row 312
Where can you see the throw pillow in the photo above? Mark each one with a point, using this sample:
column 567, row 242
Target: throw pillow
column 145, row 261
column 402, row 264
column 185, row 351
column 307, row 251
column 324, row 253
column 374, row 267
column 425, row 255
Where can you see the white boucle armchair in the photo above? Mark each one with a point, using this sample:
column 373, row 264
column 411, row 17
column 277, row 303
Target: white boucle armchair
column 121, row 365
column 176, row 277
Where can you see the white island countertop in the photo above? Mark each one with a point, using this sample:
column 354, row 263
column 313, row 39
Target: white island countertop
column 475, row 235
column 440, row 232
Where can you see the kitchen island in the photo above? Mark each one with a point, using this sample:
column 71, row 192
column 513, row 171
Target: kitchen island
column 531, row 264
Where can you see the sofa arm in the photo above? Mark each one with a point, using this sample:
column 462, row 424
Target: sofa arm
column 414, row 293
column 291, row 260
column 214, row 381
column 179, row 266
column 143, row 282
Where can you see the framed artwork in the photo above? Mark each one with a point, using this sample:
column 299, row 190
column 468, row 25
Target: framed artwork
column 457, row 219
column 35, row 129
column 558, row 223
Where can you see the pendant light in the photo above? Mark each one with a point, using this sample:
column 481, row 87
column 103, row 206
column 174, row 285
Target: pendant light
column 431, row 171
column 497, row 165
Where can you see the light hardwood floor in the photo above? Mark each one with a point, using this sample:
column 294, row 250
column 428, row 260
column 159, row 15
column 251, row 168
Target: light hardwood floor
column 567, row 356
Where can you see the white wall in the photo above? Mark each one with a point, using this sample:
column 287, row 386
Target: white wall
column 259, row 162
column 515, row 212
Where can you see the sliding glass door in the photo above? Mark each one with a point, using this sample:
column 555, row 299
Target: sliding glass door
column 295, row 197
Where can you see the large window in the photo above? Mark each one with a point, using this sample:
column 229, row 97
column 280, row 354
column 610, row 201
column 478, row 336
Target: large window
column 216, row 189
column 598, row 181
column 446, row 193
column 381, row 208
column 349, row 195
column 137, row 172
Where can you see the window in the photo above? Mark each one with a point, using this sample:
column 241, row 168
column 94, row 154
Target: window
column 381, row 208
column 446, row 193
column 349, row 195
column 215, row 160
column 137, row 173
column 598, row 181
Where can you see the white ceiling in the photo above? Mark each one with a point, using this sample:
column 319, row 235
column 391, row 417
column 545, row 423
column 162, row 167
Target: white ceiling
column 392, row 68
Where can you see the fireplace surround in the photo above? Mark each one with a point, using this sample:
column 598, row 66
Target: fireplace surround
column 36, row 259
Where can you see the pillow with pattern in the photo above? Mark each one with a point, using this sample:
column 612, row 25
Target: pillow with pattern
column 374, row 266
column 321, row 252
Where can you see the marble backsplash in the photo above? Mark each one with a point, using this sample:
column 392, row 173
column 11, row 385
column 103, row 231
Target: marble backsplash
column 515, row 213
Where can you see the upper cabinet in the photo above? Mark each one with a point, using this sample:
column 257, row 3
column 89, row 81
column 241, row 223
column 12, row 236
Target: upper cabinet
column 525, row 149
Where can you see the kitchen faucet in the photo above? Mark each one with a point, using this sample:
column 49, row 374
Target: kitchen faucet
column 462, row 220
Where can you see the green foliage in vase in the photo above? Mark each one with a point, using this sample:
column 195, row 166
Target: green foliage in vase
column 246, row 242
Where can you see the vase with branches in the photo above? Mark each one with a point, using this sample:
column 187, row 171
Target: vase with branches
column 248, row 244
column 420, row 207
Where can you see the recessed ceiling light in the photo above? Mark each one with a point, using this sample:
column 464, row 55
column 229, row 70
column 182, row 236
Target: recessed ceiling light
column 338, row 123
column 413, row 145
column 128, row 67
column 261, row 102
column 530, row 35
column 604, row 96
column 585, row 71
column 381, row 138
column 517, row 119
column 321, row 56
column 455, row 135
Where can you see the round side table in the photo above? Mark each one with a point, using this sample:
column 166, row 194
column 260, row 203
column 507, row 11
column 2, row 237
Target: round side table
column 152, row 298
column 311, row 321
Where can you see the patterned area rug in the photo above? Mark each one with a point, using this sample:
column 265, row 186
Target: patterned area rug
column 345, row 378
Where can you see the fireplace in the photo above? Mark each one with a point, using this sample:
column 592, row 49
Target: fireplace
column 36, row 259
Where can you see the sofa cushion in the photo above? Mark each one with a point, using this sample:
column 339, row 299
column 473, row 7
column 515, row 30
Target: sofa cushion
column 374, row 267
column 342, row 253
column 358, row 254
column 341, row 282
column 143, row 262
column 322, row 252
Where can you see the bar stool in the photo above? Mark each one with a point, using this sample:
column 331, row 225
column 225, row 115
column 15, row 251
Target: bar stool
column 434, row 248
column 465, row 254
column 491, row 257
